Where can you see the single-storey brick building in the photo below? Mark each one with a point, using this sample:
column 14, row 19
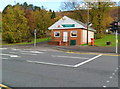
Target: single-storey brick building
column 67, row 31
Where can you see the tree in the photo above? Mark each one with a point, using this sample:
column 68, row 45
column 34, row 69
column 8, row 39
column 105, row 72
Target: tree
column 98, row 15
column 29, row 14
column 25, row 5
column 43, row 21
column 15, row 27
column 78, row 8
column 53, row 15
column 98, row 11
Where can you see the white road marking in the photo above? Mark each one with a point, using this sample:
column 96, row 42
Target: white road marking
column 12, row 52
column 29, row 53
column 15, row 49
column 4, row 58
column 91, row 59
column 32, row 51
column 69, row 57
column 35, row 52
column 54, row 64
column 3, row 48
column 10, row 55
column 24, row 53
column 65, row 65
column 113, row 73
column 104, row 86
column 110, row 77
column 107, row 81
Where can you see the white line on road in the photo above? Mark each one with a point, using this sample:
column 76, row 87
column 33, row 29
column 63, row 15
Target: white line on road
column 54, row 64
column 3, row 58
column 15, row 49
column 12, row 52
column 113, row 73
column 65, row 65
column 91, row 59
column 32, row 51
column 10, row 55
column 110, row 77
column 104, row 86
column 69, row 57
column 3, row 48
column 29, row 53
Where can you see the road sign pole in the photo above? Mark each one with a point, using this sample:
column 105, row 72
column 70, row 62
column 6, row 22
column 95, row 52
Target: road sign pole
column 35, row 37
column 116, row 41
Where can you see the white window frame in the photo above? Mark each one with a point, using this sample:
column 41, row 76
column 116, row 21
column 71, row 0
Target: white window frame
column 71, row 34
column 58, row 32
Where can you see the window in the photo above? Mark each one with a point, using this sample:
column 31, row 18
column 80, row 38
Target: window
column 68, row 25
column 57, row 34
column 73, row 33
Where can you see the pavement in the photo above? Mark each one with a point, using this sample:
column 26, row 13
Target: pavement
column 93, row 49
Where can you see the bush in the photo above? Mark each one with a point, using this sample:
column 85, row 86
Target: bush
column 110, row 32
column 8, row 37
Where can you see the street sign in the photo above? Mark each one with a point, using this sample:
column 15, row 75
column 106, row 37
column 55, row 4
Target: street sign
column 35, row 37
column 34, row 31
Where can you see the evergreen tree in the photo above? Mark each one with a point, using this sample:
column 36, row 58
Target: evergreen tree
column 53, row 15
column 50, row 10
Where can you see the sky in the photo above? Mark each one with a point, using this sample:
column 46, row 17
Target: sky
column 48, row 4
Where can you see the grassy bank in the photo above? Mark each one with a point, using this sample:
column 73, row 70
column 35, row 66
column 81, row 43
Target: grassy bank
column 102, row 42
column 107, row 38
column 32, row 42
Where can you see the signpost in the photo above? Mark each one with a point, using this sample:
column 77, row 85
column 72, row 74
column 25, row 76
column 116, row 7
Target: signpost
column 35, row 37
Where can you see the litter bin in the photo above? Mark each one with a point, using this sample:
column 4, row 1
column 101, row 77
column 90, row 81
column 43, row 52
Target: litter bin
column 108, row 43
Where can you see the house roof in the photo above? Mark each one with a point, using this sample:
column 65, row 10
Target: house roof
column 68, row 21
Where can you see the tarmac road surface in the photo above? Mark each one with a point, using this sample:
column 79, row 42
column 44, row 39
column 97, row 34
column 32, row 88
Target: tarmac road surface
column 51, row 68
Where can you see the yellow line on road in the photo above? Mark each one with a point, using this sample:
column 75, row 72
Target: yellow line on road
column 94, row 53
column 6, row 87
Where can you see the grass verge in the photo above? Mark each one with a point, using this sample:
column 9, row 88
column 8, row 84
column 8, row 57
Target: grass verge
column 102, row 42
column 32, row 42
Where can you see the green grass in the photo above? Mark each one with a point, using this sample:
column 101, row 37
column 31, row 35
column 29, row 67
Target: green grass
column 102, row 42
column 32, row 42
column 106, row 38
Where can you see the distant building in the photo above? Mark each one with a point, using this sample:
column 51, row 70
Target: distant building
column 67, row 31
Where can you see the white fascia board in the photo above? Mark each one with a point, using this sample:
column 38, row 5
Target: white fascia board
column 65, row 21
column 66, row 28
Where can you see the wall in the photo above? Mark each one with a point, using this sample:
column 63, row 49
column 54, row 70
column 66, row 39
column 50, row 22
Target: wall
column 78, row 38
column 84, row 36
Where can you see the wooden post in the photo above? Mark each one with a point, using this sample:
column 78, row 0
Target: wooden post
column 87, row 21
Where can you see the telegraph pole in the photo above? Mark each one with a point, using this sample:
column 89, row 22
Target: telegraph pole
column 87, row 21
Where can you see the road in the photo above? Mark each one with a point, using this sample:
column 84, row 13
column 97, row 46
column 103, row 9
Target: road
column 52, row 68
